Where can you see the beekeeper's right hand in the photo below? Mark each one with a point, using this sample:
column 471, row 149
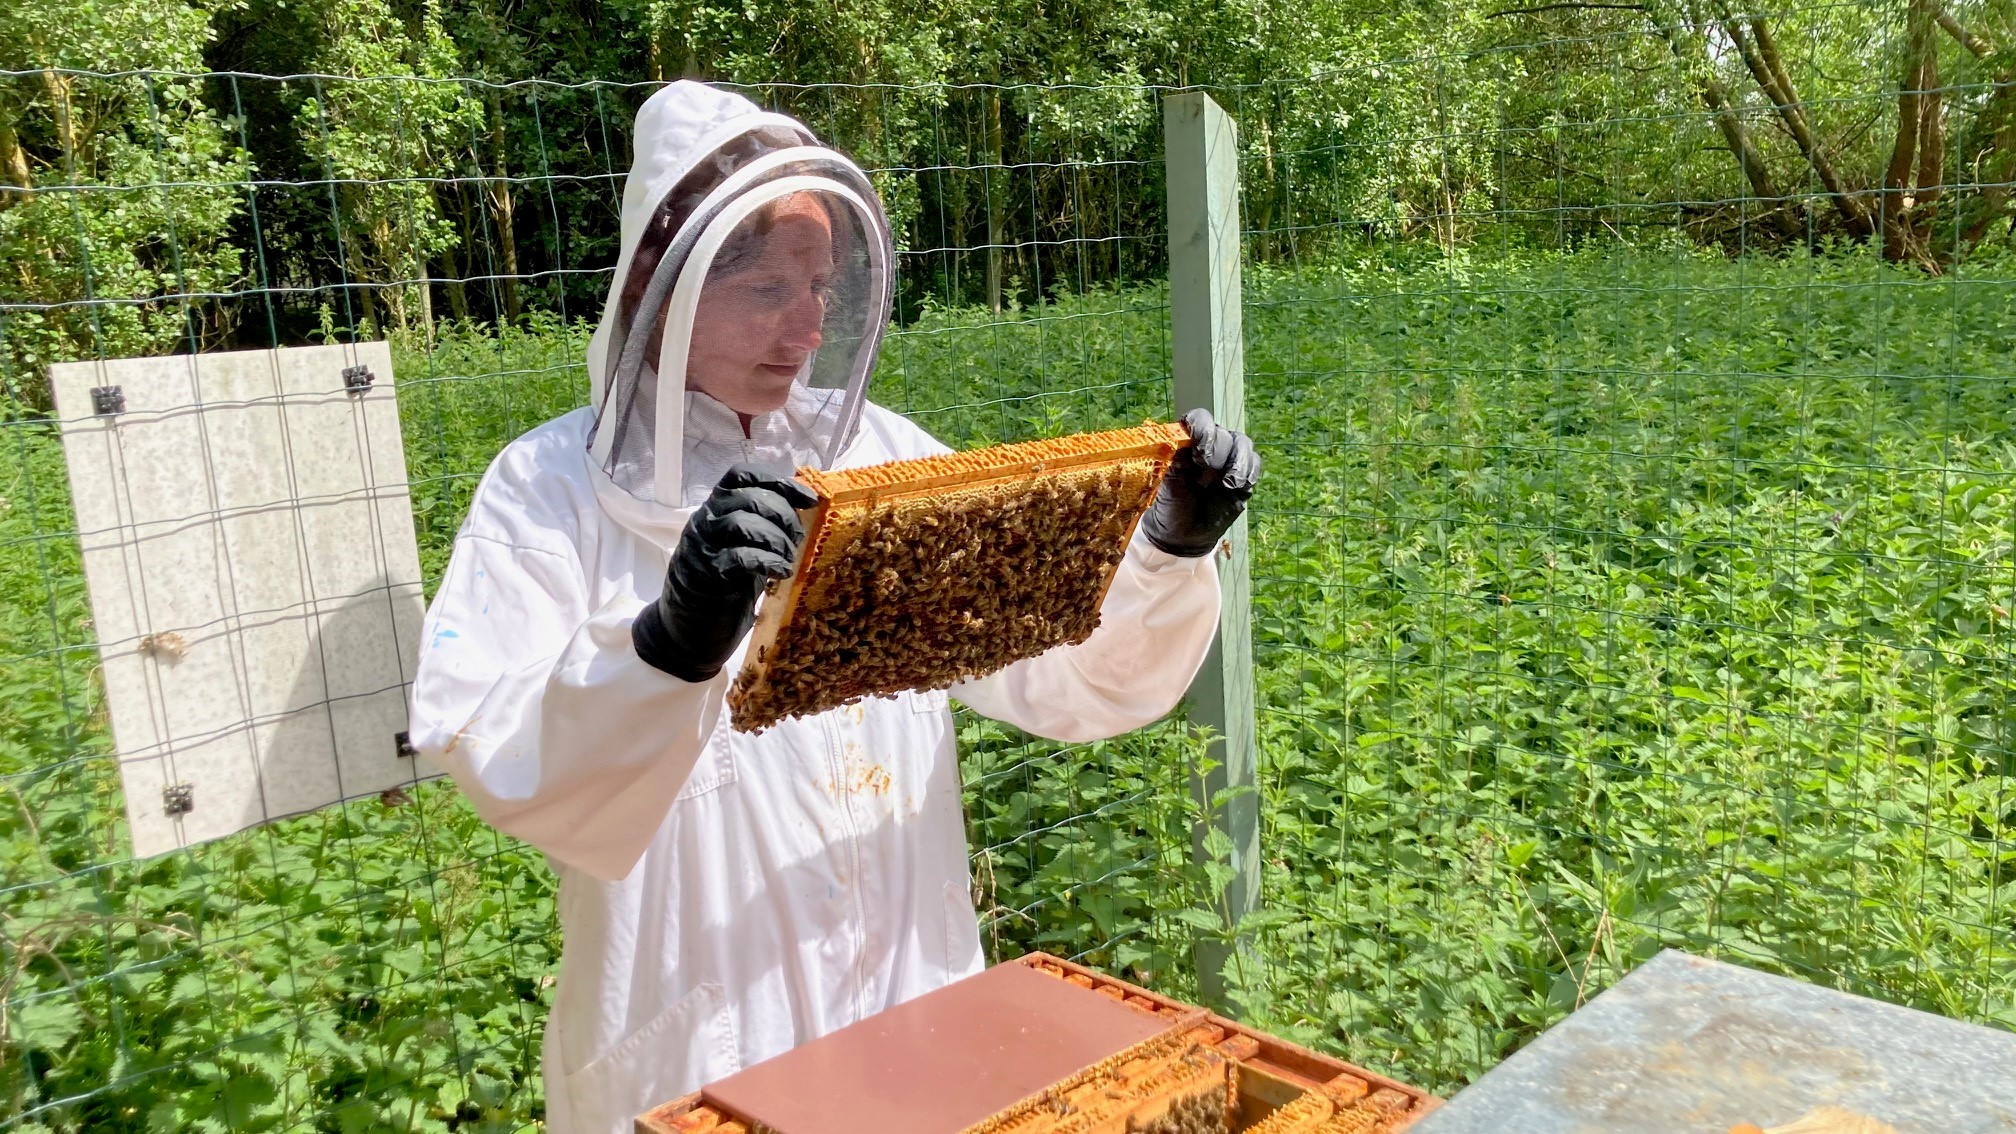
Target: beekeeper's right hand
column 746, row 534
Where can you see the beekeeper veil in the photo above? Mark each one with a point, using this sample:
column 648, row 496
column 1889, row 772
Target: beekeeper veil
column 754, row 279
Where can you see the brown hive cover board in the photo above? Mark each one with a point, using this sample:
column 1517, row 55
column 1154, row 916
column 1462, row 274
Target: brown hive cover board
column 1071, row 1052
column 940, row 1063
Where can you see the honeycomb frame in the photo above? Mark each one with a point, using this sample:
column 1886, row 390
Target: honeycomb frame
column 915, row 575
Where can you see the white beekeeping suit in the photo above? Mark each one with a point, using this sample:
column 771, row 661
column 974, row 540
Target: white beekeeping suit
column 725, row 896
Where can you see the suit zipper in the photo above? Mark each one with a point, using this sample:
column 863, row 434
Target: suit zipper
column 835, row 758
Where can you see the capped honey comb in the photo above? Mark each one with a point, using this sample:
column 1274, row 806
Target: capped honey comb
column 1171, row 1084
column 916, row 575
column 1321, row 1111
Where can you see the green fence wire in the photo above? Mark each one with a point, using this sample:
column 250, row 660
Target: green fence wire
column 1634, row 564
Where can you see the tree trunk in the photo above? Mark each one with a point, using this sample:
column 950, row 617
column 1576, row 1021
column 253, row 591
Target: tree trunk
column 1978, row 47
column 1263, row 219
column 426, row 285
column 1897, row 176
column 1747, row 154
column 1996, row 168
column 451, row 263
column 353, row 266
column 13, row 165
column 500, row 209
column 990, row 129
column 1931, row 132
column 433, row 191
column 1900, row 238
column 458, row 295
column 397, row 270
column 58, row 87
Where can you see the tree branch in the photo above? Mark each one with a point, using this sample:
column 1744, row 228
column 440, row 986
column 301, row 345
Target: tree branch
column 1767, row 66
column 1979, row 47
column 1994, row 192
column 1564, row 7
column 13, row 162
column 1722, row 110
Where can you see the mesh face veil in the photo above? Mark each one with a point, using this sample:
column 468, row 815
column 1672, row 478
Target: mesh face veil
column 754, row 281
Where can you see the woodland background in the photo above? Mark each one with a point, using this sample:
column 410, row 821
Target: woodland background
column 1891, row 123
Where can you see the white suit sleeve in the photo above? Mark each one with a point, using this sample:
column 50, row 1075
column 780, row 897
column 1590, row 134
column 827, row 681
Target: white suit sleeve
column 1155, row 628
column 542, row 712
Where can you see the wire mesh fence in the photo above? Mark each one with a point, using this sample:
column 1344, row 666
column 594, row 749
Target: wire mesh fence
column 386, row 964
column 1634, row 562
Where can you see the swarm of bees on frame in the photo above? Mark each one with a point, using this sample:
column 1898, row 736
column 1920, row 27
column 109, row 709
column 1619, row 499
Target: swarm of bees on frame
column 918, row 590
column 1172, row 1084
column 1202, row 1113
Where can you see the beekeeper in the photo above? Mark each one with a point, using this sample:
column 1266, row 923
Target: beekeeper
column 725, row 896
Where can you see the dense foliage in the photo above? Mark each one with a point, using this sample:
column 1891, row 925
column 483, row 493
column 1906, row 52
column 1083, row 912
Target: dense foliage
column 1609, row 608
column 205, row 173
column 1602, row 601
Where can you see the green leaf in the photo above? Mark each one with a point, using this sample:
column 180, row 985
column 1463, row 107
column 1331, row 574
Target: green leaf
column 47, row 1023
column 1200, row 919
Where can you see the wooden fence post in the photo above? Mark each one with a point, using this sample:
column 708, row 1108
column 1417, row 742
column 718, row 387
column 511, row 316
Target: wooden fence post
column 1207, row 355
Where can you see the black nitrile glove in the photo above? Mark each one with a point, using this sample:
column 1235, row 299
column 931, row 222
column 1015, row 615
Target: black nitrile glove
column 745, row 535
column 1205, row 490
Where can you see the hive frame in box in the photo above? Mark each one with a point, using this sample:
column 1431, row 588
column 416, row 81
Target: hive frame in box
column 853, row 506
column 1289, row 1061
column 1275, row 1087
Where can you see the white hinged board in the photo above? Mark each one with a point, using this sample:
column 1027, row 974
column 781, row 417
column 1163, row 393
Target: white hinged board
column 255, row 583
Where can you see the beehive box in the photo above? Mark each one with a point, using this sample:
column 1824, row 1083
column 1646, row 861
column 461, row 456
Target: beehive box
column 1043, row 1046
column 915, row 575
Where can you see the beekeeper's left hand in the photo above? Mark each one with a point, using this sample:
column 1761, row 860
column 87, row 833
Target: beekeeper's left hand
column 1205, row 490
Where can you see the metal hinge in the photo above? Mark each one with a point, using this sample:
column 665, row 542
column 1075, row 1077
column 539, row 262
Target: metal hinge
column 357, row 379
column 107, row 400
column 402, row 744
column 178, row 799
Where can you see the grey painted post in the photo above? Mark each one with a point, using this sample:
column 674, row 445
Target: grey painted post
column 1208, row 358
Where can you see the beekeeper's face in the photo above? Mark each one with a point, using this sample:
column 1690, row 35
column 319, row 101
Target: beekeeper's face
column 760, row 315
column 760, row 277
